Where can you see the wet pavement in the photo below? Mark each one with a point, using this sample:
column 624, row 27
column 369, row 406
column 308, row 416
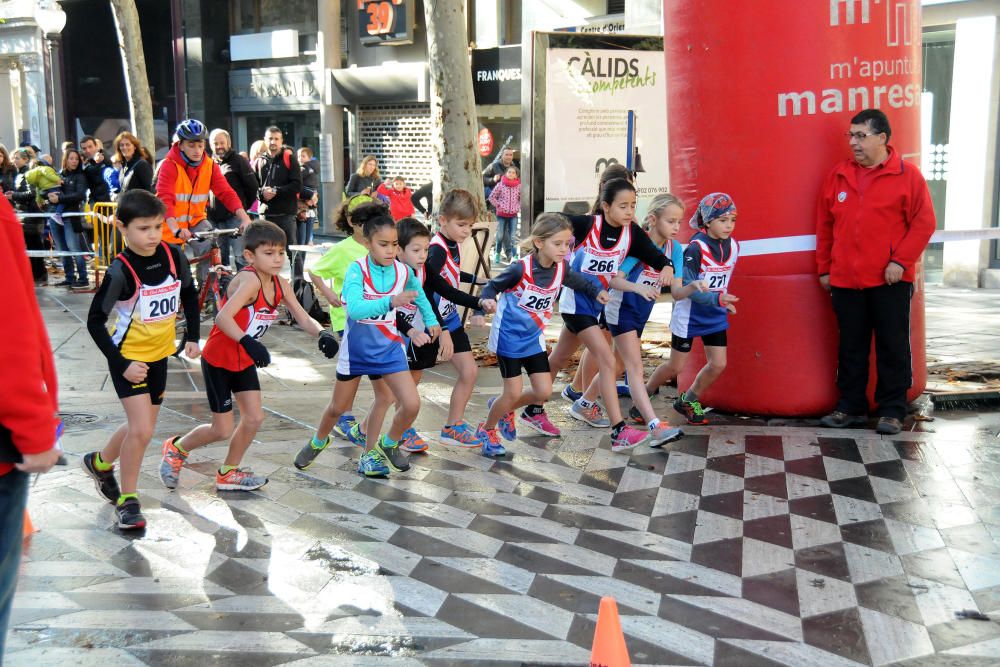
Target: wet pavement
column 744, row 544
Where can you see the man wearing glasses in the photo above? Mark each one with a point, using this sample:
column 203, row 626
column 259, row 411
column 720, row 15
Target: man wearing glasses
column 873, row 221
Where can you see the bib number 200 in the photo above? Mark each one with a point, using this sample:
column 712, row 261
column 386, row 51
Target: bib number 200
column 163, row 307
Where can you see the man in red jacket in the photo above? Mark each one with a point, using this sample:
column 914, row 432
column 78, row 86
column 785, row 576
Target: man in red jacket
column 873, row 221
column 27, row 402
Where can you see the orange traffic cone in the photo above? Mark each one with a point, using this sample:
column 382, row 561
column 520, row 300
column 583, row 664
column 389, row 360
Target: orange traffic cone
column 29, row 527
column 609, row 643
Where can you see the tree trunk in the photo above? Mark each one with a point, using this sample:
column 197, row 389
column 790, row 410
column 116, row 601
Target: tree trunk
column 453, row 110
column 134, row 67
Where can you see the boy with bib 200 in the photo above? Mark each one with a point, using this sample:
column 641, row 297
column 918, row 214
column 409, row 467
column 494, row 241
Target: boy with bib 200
column 232, row 355
column 143, row 289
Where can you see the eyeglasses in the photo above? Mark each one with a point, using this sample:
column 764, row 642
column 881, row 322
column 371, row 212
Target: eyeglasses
column 860, row 136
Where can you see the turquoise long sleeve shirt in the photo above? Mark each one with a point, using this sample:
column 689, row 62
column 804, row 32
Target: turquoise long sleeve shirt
column 383, row 278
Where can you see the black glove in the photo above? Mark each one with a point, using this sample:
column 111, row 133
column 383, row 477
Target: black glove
column 261, row 357
column 328, row 344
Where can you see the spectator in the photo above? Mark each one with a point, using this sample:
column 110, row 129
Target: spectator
column 8, row 172
column 366, row 179
column 400, row 198
column 496, row 169
column 23, row 198
column 280, row 183
column 28, row 410
column 873, row 221
column 67, row 230
column 425, row 193
column 309, row 198
column 506, row 199
column 244, row 183
column 134, row 171
column 94, row 168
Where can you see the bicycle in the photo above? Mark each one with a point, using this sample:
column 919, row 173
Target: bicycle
column 212, row 292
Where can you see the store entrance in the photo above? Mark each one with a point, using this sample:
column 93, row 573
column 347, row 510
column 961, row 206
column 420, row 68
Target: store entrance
column 299, row 128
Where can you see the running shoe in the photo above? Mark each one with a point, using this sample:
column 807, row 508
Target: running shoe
column 412, row 442
column 129, row 515
column 344, row 425
column 461, row 435
column 593, row 415
column 491, row 442
column 691, row 410
column 239, row 479
column 171, row 463
column 107, row 485
column 570, row 394
column 635, row 415
column 372, row 465
column 627, row 438
column 355, row 436
column 308, row 454
column 540, row 423
column 664, row 433
column 393, row 456
column 64, row 283
column 506, row 424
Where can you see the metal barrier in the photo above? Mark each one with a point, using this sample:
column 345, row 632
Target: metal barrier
column 108, row 241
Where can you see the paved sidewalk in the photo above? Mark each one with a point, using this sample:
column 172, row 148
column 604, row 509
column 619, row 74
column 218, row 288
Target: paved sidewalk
column 741, row 545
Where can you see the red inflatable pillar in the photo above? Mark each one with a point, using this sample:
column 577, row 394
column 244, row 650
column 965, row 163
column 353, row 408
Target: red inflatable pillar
column 760, row 96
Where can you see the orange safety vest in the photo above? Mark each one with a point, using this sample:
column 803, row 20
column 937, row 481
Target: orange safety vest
column 190, row 199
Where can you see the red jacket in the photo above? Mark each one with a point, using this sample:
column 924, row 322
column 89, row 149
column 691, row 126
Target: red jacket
column 166, row 188
column 28, row 402
column 400, row 203
column 857, row 235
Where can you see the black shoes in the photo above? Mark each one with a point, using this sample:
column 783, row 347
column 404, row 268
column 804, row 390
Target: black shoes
column 838, row 419
column 105, row 482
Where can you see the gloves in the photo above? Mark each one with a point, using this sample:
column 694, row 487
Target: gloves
column 328, row 344
column 261, row 357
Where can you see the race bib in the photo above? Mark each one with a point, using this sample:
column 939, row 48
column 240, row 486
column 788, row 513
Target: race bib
column 536, row 300
column 600, row 262
column 649, row 278
column 259, row 323
column 717, row 278
column 446, row 308
column 159, row 303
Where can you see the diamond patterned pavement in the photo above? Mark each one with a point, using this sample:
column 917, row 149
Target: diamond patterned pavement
column 740, row 545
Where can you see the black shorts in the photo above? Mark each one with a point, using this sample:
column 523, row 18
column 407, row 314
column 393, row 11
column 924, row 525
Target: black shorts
column 511, row 367
column 577, row 323
column 221, row 384
column 423, row 357
column 717, row 339
column 347, row 378
column 460, row 340
column 154, row 384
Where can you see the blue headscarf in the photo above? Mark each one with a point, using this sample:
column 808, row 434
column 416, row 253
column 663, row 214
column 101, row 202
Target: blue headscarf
column 712, row 207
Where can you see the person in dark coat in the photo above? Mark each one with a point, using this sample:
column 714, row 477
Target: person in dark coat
column 280, row 184
column 23, row 199
column 134, row 171
column 242, row 180
column 66, row 230
column 425, row 193
column 366, row 179
column 94, row 167
column 309, row 197
column 8, row 172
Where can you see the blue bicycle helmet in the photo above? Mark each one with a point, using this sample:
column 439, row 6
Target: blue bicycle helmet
column 192, row 130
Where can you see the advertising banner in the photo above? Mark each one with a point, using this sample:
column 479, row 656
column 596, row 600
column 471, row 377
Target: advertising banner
column 603, row 107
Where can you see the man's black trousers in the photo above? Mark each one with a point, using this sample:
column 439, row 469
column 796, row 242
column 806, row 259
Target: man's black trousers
column 884, row 311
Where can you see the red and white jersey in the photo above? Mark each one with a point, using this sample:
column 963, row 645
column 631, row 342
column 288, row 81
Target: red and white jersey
column 253, row 319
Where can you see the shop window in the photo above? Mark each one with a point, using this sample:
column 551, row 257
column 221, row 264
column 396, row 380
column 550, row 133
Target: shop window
column 253, row 16
column 616, row 7
column 510, row 22
column 939, row 62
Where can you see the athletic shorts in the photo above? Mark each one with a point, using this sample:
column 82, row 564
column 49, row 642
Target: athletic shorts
column 460, row 340
column 423, row 357
column 511, row 367
column 347, row 378
column 577, row 323
column 717, row 339
column 626, row 324
column 154, row 384
column 221, row 384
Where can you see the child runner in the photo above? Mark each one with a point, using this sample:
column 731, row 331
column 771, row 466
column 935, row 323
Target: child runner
column 602, row 243
column 375, row 286
column 333, row 266
column 457, row 214
column 637, row 286
column 506, row 198
column 528, row 290
column 232, row 355
column 144, row 286
column 710, row 257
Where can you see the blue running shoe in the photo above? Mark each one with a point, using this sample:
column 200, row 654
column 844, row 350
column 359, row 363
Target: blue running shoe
column 491, row 442
column 506, row 424
column 460, row 435
column 356, row 436
column 372, row 465
column 570, row 394
column 344, row 425
column 623, row 390
column 411, row 442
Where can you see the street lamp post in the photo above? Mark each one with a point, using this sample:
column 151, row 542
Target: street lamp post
column 51, row 20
